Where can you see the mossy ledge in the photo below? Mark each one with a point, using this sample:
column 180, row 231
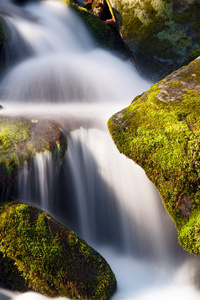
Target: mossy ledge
column 51, row 258
column 20, row 139
column 160, row 131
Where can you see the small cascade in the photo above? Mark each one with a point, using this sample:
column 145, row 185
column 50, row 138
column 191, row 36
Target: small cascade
column 66, row 67
column 105, row 206
column 36, row 186
column 96, row 191
column 112, row 202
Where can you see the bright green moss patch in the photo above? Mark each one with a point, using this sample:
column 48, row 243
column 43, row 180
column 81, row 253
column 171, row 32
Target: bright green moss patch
column 163, row 136
column 52, row 259
column 189, row 235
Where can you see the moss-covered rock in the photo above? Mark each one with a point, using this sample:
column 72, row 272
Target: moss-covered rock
column 52, row 259
column 161, row 34
column 160, row 131
column 20, row 139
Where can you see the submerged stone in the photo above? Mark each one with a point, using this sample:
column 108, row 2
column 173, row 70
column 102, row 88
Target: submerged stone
column 160, row 131
column 51, row 258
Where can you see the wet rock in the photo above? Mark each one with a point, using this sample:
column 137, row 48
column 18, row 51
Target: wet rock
column 20, row 140
column 162, row 35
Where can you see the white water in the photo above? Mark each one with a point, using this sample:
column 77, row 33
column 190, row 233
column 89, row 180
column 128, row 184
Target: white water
column 102, row 195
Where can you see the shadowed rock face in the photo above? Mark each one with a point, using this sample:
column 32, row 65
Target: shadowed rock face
column 160, row 131
column 50, row 257
column 161, row 34
column 20, row 139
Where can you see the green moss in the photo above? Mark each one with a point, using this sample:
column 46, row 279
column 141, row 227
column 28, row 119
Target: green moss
column 20, row 139
column 164, row 139
column 192, row 73
column 163, row 32
column 52, row 259
column 177, row 84
column 189, row 234
column 68, row 2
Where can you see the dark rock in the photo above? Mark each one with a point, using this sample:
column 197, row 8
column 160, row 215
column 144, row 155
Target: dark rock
column 185, row 206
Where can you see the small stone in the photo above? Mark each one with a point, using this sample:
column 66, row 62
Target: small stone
column 185, row 206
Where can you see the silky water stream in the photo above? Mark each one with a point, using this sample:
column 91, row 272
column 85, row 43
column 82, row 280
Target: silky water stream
column 54, row 70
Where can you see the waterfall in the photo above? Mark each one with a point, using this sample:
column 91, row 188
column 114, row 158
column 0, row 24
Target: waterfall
column 38, row 183
column 99, row 193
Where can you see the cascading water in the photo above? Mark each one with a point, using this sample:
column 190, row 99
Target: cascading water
column 99, row 193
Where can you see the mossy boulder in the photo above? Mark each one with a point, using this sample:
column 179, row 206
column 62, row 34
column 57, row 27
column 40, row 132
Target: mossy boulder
column 161, row 34
column 160, row 131
column 20, row 139
column 51, row 258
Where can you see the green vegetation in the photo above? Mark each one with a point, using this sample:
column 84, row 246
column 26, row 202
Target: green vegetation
column 52, row 259
column 163, row 136
column 167, row 32
column 189, row 236
column 20, row 139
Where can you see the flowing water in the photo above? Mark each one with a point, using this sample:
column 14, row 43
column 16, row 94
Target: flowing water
column 54, row 70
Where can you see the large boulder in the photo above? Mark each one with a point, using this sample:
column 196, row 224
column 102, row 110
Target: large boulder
column 160, row 131
column 20, row 139
column 49, row 258
column 161, row 34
